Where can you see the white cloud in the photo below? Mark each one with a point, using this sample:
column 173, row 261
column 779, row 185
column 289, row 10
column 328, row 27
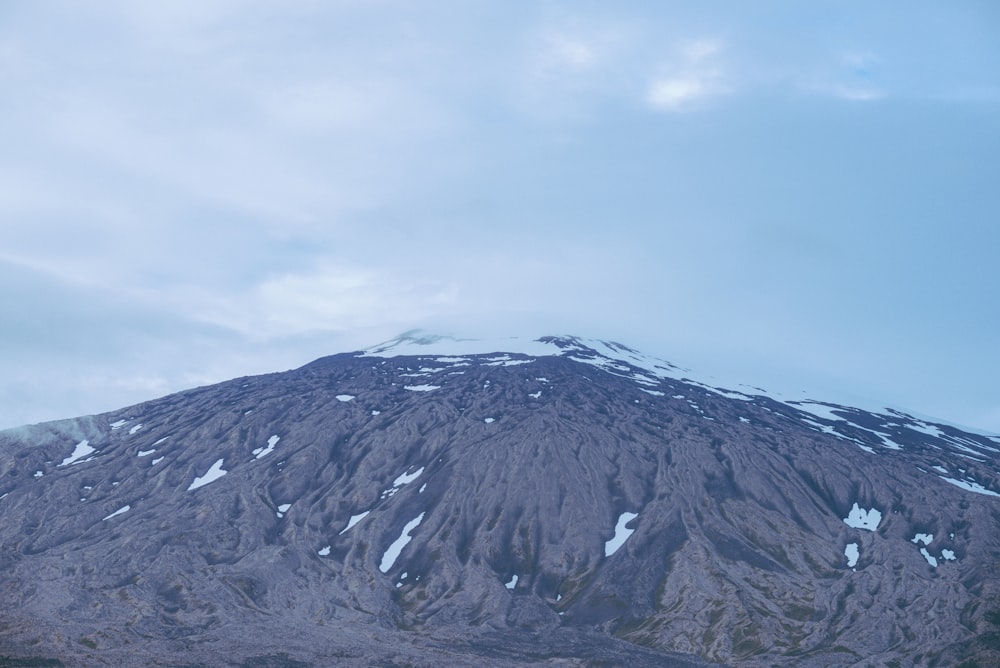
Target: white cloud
column 692, row 77
column 674, row 93
column 331, row 298
column 698, row 50
column 573, row 51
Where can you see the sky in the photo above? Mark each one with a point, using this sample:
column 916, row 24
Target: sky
column 797, row 195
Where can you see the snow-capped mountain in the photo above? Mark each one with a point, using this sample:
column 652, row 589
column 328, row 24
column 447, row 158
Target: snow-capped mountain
column 459, row 502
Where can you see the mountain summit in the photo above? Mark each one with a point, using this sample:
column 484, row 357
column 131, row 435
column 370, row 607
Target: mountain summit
column 435, row 501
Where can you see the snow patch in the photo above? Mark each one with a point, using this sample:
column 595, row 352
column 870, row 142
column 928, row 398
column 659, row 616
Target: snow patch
column 391, row 554
column 354, row 520
column 621, row 534
column 489, row 420
column 38, row 474
column 421, row 388
column 118, row 425
column 970, row 486
column 947, row 554
column 927, row 555
column 852, row 554
column 261, row 451
column 282, row 509
column 134, row 429
column 863, row 519
column 924, row 538
column 512, row 583
column 214, row 473
column 124, row 509
column 324, row 552
column 376, row 412
column 156, row 461
column 145, row 453
column 407, row 478
column 535, row 395
column 345, row 397
column 81, row 450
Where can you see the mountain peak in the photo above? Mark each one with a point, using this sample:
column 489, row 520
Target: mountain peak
column 460, row 501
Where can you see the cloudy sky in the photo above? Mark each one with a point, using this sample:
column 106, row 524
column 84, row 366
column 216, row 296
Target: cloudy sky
column 801, row 195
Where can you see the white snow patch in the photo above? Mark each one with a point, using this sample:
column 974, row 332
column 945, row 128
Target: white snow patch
column 38, row 474
column 947, row 554
column 489, row 420
column 940, row 469
column 407, row 478
column 819, row 409
column 863, row 519
column 927, row 555
column 324, row 552
column 509, row 362
column 145, row 453
column 161, row 440
column 390, row 556
column 354, row 520
column 512, row 583
column 81, row 450
column 376, row 412
column 925, row 428
column 134, row 429
column 535, row 395
column 970, row 486
column 421, row 388
column 852, row 554
column 214, row 473
column 344, row 397
column 282, row 509
column 422, row 488
column 261, row 451
column 542, row 380
column 156, row 461
column 924, row 538
column 124, row 509
column 119, row 424
column 655, row 393
column 621, row 534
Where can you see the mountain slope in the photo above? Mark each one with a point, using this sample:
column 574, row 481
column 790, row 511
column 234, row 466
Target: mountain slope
column 547, row 501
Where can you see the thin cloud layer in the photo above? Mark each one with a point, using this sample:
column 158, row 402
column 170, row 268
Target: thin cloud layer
column 695, row 76
column 191, row 191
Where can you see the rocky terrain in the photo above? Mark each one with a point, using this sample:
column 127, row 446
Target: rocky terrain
column 561, row 502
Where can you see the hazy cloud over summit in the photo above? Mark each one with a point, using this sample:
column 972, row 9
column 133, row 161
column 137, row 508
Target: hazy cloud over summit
column 795, row 194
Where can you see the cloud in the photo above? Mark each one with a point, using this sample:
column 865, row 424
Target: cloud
column 694, row 76
column 573, row 51
column 333, row 297
column 851, row 76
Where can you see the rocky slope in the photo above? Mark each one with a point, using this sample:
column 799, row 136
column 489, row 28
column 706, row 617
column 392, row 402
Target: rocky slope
column 566, row 503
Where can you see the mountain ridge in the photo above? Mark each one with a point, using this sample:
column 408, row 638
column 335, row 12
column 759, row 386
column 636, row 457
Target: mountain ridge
column 421, row 508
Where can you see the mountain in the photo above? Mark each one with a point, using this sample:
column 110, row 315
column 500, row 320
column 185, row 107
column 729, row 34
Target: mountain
column 444, row 502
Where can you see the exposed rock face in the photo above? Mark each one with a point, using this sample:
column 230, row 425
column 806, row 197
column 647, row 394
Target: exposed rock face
column 588, row 507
